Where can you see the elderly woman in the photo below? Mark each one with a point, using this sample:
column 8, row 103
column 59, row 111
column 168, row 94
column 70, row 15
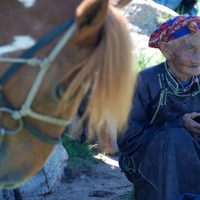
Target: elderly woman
column 160, row 152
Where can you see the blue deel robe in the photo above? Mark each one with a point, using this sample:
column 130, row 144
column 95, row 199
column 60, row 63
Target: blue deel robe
column 158, row 154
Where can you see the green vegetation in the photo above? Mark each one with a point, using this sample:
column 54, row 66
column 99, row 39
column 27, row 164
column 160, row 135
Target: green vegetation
column 80, row 154
column 128, row 196
column 148, row 57
column 163, row 17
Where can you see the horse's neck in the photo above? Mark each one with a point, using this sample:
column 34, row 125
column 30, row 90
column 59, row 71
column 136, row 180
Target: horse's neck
column 34, row 22
column 16, row 19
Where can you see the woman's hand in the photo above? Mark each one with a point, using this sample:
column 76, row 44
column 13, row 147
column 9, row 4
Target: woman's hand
column 190, row 124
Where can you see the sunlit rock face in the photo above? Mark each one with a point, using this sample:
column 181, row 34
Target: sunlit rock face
column 146, row 15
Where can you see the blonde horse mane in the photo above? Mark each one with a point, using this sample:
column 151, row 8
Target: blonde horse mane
column 109, row 70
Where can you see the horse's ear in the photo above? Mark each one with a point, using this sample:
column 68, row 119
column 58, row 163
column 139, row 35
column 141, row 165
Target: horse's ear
column 120, row 3
column 90, row 16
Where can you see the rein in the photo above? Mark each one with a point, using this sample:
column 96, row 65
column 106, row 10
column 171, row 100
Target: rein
column 44, row 64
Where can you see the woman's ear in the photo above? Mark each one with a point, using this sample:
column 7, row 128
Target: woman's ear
column 164, row 48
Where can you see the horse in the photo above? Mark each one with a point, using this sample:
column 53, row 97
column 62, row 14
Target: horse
column 76, row 46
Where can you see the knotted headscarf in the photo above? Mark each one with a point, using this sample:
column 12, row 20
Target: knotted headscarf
column 174, row 28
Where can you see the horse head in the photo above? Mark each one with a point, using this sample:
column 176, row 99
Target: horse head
column 38, row 101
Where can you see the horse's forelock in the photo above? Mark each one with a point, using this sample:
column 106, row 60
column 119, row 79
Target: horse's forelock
column 113, row 89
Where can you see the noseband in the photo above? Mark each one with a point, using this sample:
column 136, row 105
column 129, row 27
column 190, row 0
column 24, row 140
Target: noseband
column 44, row 64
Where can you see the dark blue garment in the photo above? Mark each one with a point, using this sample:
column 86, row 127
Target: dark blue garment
column 158, row 154
column 189, row 197
column 173, row 4
column 181, row 6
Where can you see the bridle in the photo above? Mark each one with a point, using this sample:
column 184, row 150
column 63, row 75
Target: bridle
column 44, row 65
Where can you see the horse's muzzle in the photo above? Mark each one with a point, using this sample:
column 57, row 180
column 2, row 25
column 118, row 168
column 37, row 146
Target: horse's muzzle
column 8, row 186
column 9, row 181
column 9, row 178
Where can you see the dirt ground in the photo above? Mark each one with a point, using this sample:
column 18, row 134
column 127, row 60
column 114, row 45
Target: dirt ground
column 102, row 181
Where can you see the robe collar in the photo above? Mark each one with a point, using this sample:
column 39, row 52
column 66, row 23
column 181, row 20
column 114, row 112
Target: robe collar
column 175, row 84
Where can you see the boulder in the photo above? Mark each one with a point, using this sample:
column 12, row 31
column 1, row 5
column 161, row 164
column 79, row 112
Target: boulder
column 146, row 15
column 7, row 195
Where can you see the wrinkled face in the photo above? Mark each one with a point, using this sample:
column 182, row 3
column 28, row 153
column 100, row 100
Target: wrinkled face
column 184, row 55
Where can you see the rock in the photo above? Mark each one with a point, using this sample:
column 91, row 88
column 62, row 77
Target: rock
column 1, row 194
column 7, row 195
column 48, row 178
column 146, row 15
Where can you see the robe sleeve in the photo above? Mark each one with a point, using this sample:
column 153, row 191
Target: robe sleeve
column 138, row 122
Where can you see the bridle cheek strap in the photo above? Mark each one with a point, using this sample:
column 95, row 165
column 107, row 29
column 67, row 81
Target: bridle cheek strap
column 45, row 64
